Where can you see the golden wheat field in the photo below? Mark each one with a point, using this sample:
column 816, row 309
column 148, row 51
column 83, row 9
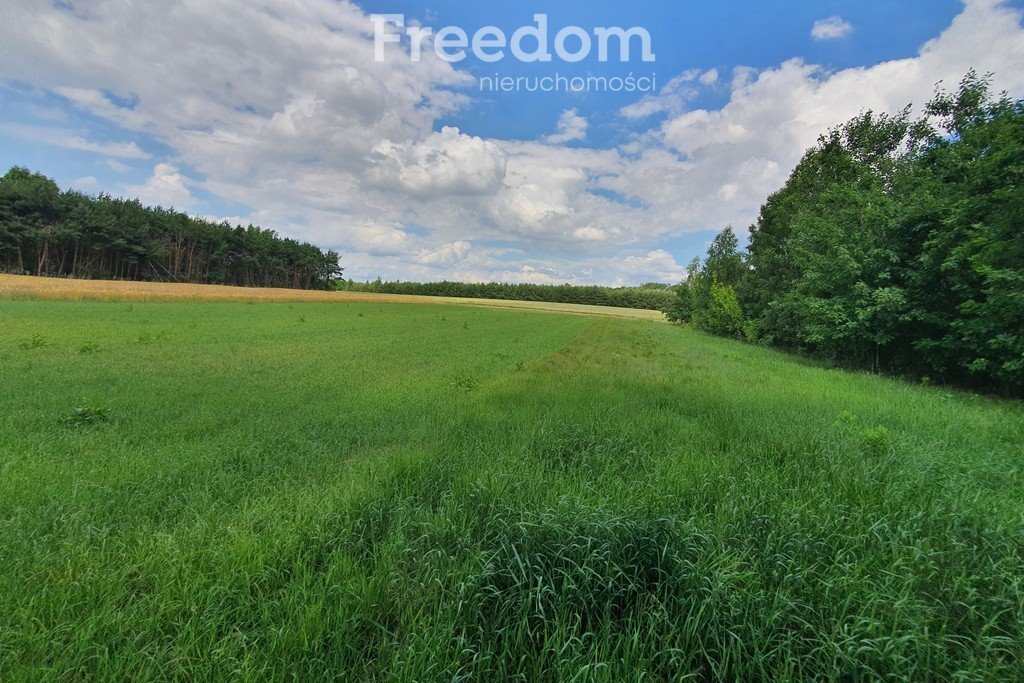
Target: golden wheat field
column 66, row 289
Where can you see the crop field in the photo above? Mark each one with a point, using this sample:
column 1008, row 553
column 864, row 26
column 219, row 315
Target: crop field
column 36, row 288
column 370, row 490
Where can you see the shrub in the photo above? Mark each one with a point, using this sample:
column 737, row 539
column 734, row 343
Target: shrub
column 722, row 315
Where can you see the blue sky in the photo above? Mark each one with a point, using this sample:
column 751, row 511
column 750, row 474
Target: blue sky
column 275, row 112
column 686, row 35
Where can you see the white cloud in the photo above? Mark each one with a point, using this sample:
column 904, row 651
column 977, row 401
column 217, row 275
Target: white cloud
column 654, row 266
column 831, row 28
column 444, row 255
column 728, row 191
column 85, row 184
column 532, row 274
column 671, row 99
column 709, row 77
column 448, row 163
column 730, row 159
column 379, row 238
column 167, row 187
column 590, row 234
column 72, row 140
column 571, row 126
column 632, row 268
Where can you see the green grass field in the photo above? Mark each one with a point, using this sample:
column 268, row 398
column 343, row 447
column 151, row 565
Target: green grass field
column 427, row 492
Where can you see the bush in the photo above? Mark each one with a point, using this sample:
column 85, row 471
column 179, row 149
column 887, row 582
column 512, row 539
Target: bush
column 722, row 315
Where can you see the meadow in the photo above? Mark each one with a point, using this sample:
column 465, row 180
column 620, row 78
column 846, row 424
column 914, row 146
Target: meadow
column 369, row 490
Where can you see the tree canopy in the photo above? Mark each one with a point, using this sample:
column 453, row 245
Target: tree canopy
column 44, row 231
column 896, row 245
column 651, row 296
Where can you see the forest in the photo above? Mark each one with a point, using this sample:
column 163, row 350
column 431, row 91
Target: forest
column 896, row 245
column 651, row 296
column 44, row 231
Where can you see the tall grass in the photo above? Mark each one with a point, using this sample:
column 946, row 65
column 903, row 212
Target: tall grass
column 314, row 491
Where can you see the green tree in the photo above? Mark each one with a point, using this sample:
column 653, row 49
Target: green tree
column 46, row 232
column 722, row 314
column 894, row 245
column 724, row 262
column 681, row 307
column 966, row 217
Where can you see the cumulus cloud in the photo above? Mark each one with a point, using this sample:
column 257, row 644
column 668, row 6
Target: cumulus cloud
column 448, row 163
column 571, row 126
column 589, row 233
column 167, row 187
column 831, row 28
column 379, row 238
column 444, row 255
column 656, row 266
column 279, row 106
column 717, row 166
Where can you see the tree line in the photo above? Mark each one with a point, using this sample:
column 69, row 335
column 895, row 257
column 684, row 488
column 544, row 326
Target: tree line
column 896, row 245
column 44, row 231
column 651, row 296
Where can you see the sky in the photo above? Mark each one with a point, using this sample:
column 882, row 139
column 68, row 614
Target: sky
column 278, row 113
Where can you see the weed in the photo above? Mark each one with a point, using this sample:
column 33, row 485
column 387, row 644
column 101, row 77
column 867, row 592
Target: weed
column 87, row 416
column 36, row 341
column 147, row 338
column 466, row 382
column 877, row 441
